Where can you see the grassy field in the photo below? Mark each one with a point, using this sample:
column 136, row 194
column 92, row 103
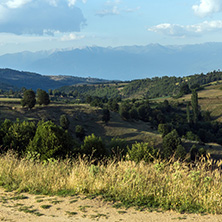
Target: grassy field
column 89, row 117
column 159, row 185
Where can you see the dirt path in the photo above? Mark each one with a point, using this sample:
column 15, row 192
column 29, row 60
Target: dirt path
column 37, row 208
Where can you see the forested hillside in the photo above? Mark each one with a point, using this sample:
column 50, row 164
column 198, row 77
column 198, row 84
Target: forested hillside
column 147, row 88
column 13, row 79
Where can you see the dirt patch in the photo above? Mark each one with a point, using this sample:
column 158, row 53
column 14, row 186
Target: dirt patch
column 38, row 208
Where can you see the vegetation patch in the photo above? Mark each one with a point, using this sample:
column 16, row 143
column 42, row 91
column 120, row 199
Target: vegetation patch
column 46, row 206
column 27, row 209
column 71, row 213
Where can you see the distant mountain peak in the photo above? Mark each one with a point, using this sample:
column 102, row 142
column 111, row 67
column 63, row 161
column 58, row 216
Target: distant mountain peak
column 123, row 62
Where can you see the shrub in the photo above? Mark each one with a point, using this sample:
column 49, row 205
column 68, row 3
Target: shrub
column 142, row 151
column 134, row 114
column 64, row 122
column 18, row 135
column 93, row 146
column 164, row 129
column 106, row 116
column 202, row 151
column 180, row 152
column 80, row 132
column 170, row 143
column 124, row 111
column 193, row 153
column 118, row 147
column 50, row 141
column 191, row 136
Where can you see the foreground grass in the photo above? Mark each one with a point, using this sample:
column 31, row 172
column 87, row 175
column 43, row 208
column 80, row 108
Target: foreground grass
column 162, row 185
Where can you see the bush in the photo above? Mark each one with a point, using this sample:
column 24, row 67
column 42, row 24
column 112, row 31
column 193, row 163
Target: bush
column 50, row 141
column 93, row 146
column 191, row 136
column 170, row 143
column 134, row 114
column 118, row 147
column 193, row 153
column 64, row 122
column 142, row 151
column 80, row 132
column 106, row 116
column 18, row 135
column 180, row 152
column 124, row 111
column 164, row 129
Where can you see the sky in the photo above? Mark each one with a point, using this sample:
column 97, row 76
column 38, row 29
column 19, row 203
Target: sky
column 35, row 25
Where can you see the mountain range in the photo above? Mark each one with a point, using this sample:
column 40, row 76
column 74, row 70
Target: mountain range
column 120, row 63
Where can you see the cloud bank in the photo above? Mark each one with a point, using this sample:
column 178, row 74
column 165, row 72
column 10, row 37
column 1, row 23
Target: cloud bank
column 207, row 7
column 40, row 17
column 188, row 30
column 114, row 8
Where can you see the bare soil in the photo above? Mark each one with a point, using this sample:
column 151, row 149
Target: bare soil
column 38, row 208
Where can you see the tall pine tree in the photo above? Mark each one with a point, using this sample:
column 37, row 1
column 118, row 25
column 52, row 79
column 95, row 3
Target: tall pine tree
column 188, row 113
column 194, row 104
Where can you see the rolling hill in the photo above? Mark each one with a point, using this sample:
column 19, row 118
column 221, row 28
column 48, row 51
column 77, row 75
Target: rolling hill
column 12, row 79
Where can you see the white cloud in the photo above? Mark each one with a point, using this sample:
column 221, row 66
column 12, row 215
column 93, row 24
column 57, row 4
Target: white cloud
column 188, row 30
column 115, row 8
column 17, row 3
column 111, row 11
column 35, row 16
column 71, row 2
column 207, row 7
column 72, row 37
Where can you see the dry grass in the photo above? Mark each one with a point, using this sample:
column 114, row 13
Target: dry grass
column 165, row 185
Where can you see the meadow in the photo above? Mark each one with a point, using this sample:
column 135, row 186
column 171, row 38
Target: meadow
column 162, row 185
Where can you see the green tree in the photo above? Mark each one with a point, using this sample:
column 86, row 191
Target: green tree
column 93, row 147
column 118, row 147
column 50, row 141
column 18, row 136
column 170, row 143
column 113, row 105
column 124, row 111
column 184, row 89
column 106, row 116
column 144, row 111
column 80, row 132
column 180, row 152
column 134, row 114
column 64, row 121
column 142, row 151
column 42, row 97
column 28, row 99
column 194, row 104
column 188, row 113
column 164, row 128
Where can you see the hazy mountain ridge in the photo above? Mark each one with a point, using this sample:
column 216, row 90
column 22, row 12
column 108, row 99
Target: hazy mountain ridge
column 123, row 63
column 10, row 79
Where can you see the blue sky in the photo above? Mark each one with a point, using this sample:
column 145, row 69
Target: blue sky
column 36, row 25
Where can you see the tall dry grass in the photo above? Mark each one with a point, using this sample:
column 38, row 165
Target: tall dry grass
column 166, row 185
